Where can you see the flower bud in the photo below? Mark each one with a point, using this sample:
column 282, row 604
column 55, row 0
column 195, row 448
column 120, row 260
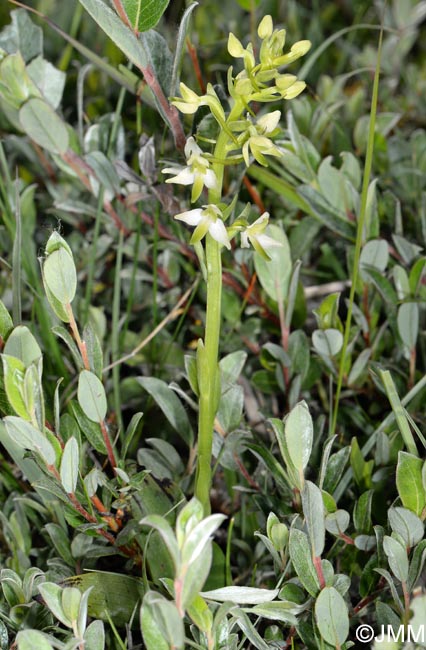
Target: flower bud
column 235, row 47
column 265, row 27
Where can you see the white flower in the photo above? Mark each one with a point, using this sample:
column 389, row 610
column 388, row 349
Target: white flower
column 258, row 143
column 207, row 219
column 255, row 235
column 197, row 173
column 268, row 123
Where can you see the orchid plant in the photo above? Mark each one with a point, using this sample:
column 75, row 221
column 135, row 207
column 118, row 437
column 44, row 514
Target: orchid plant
column 243, row 136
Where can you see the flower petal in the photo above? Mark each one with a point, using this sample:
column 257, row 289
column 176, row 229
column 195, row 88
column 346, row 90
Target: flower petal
column 218, row 231
column 268, row 122
column 191, row 217
column 244, row 240
column 192, row 148
column 210, row 179
column 260, row 221
column 184, row 177
column 267, row 242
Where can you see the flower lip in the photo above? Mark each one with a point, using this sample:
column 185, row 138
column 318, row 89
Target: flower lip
column 207, row 219
column 255, row 235
column 197, row 172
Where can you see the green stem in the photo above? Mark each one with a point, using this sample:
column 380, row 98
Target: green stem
column 208, row 369
column 209, row 373
column 360, row 233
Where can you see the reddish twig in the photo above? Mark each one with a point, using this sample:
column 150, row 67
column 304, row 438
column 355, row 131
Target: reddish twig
column 254, row 194
column 194, row 58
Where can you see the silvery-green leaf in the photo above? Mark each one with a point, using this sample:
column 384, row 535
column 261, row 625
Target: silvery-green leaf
column 94, row 636
column 117, row 31
column 298, row 433
column 274, row 274
column 194, row 576
column 168, row 621
column 152, row 636
column 167, row 534
column 409, row 482
column 407, row 525
column 23, row 345
column 402, row 283
column 55, row 242
column 200, row 614
column 275, row 611
column 52, row 596
column 313, row 509
column 331, row 615
column 42, row 124
column 60, row 275
column 359, row 366
column 180, row 47
column 31, row 639
column 71, row 599
column 300, row 555
column 332, row 185
column 48, row 79
column 28, row 437
column 327, row 342
column 188, row 518
column 408, row 323
column 397, row 557
column 70, row 466
column 91, row 396
column 337, row 522
column 14, row 378
column 169, row 403
column 241, row 595
column 199, row 537
column 375, row 254
column 231, row 367
column 61, row 542
column 22, row 35
column 6, row 322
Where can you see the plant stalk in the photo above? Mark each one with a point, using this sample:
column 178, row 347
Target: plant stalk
column 208, row 370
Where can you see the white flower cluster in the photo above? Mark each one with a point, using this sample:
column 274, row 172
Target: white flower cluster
column 257, row 82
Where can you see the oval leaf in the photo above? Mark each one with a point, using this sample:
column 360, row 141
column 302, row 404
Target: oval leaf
column 298, row 433
column 60, row 275
column 30, row 639
column 300, row 555
column 91, row 396
column 28, row 437
column 408, row 323
column 409, row 482
column 169, row 403
column 274, row 274
column 42, row 124
column 327, row 342
column 331, row 615
column 69, row 466
column 241, row 595
column 397, row 557
column 313, row 509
